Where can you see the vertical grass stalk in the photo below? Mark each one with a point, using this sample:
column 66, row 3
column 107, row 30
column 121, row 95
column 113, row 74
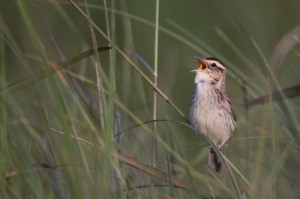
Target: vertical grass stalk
column 155, row 74
column 4, row 114
column 113, row 126
column 101, row 99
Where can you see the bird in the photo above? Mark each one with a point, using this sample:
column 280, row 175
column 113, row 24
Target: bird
column 211, row 111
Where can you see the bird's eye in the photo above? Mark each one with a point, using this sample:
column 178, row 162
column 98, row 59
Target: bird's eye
column 213, row 65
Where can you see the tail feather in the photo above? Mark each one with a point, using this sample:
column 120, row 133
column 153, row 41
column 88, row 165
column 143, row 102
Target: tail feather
column 213, row 161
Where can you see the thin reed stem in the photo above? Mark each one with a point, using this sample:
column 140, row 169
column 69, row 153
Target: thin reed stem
column 155, row 76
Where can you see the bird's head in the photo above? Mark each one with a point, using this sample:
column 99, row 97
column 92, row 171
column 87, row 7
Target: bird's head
column 211, row 70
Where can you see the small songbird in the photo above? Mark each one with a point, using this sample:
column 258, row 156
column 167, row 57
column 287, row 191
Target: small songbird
column 211, row 111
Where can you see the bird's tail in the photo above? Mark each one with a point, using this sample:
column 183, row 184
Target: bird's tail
column 213, row 161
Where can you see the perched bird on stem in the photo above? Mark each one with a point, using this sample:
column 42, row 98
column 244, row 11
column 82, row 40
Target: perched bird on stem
column 211, row 111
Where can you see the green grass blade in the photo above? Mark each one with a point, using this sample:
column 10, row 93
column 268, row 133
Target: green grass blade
column 43, row 74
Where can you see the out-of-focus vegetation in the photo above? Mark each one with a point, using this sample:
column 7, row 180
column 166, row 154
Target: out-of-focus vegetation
column 81, row 122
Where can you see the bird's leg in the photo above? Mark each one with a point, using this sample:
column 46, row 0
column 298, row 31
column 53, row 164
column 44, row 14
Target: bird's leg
column 213, row 160
column 212, row 149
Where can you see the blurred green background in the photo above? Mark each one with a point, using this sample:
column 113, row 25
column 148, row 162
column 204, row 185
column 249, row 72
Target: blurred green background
column 64, row 135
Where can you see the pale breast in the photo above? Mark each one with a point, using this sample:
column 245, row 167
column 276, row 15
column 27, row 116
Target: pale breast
column 208, row 116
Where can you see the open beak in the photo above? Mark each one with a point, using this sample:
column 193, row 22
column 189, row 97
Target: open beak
column 202, row 65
